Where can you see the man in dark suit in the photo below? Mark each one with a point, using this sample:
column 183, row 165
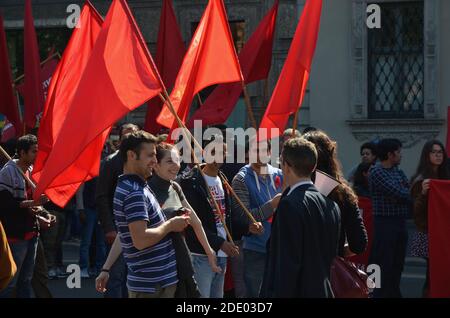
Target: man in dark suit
column 305, row 231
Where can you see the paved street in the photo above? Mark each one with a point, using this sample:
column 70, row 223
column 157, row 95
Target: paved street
column 412, row 280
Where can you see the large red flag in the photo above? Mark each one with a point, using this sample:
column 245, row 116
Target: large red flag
column 119, row 76
column 288, row 94
column 8, row 102
column 439, row 238
column 33, row 91
column 60, row 95
column 211, row 59
column 255, row 59
column 448, row 129
column 48, row 68
column 170, row 51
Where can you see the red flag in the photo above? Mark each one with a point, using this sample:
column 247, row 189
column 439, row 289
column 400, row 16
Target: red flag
column 211, row 59
column 448, row 129
column 119, row 76
column 288, row 94
column 8, row 102
column 438, row 238
column 47, row 69
column 34, row 95
column 170, row 51
column 60, row 95
column 255, row 59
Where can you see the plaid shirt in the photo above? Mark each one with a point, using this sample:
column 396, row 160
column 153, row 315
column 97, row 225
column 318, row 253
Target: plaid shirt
column 390, row 192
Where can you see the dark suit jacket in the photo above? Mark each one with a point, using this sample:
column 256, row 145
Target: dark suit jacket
column 303, row 244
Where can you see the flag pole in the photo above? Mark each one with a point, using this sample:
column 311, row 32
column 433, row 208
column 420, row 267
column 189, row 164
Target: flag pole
column 226, row 183
column 56, row 54
column 249, row 106
column 295, row 123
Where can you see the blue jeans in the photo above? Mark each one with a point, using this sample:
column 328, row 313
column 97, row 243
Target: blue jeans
column 237, row 270
column 209, row 283
column 87, row 230
column 24, row 254
column 254, row 264
column 117, row 283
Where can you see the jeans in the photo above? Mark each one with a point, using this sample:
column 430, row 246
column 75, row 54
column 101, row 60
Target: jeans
column 40, row 275
column 52, row 240
column 24, row 254
column 237, row 270
column 389, row 251
column 117, row 283
column 87, row 231
column 254, row 264
column 209, row 283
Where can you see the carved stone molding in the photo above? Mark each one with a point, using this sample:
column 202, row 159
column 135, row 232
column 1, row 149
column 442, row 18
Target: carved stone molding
column 408, row 131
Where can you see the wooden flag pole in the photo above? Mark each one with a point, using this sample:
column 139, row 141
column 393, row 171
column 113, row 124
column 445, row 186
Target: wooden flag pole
column 42, row 63
column 295, row 123
column 226, row 183
column 248, row 104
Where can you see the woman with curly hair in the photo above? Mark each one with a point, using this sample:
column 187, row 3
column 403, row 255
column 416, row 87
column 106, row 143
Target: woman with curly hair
column 353, row 231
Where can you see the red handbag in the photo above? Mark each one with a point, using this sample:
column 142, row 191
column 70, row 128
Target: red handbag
column 347, row 281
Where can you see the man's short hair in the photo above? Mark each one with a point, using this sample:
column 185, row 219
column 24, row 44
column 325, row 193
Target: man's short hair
column 368, row 145
column 301, row 155
column 133, row 141
column 385, row 146
column 127, row 126
column 25, row 143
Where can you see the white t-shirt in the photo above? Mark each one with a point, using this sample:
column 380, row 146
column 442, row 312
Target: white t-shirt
column 216, row 187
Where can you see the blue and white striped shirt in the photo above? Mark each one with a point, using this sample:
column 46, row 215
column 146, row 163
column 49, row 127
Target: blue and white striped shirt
column 152, row 266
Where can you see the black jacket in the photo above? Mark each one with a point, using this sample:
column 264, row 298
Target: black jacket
column 196, row 193
column 304, row 242
column 110, row 170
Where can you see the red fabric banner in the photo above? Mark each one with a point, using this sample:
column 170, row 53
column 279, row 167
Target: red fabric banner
column 439, row 237
column 255, row 59
column 170, row 50
column 8, row 101
column 211, row 59
column 61, row 91
column 119, row 76
column 288, row 94
column 33, row 93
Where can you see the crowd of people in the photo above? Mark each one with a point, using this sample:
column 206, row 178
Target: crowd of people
column 152, row 226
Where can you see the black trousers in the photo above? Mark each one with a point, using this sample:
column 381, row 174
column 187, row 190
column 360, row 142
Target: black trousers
column 389, row 251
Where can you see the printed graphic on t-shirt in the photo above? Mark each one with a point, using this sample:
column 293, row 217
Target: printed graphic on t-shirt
column 215, row 185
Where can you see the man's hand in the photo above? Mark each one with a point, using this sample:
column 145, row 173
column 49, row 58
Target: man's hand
column 179, row 223
column 101, row 281
column 256, row 228
column 230, row 249
column 110, row 237
column 275, row 201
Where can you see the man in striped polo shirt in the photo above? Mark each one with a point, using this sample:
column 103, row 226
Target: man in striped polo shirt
column 142, row 227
